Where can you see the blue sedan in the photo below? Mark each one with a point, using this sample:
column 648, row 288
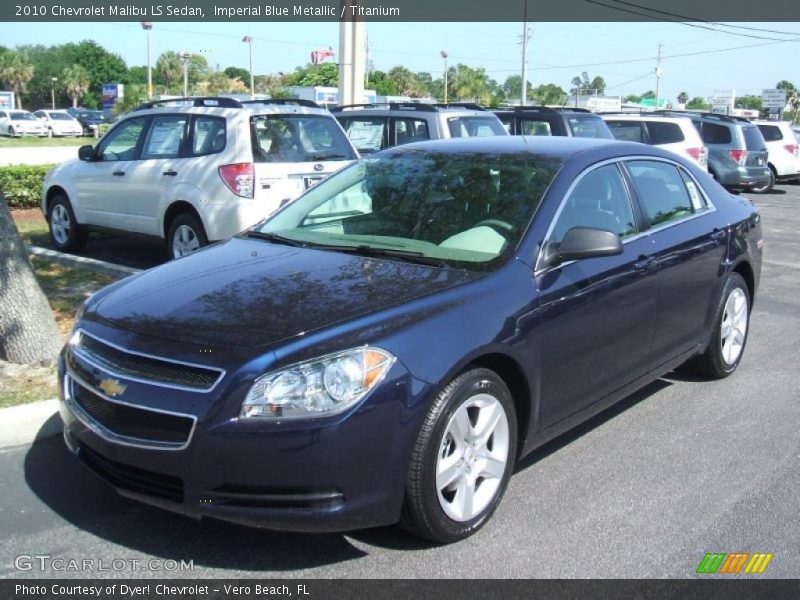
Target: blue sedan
column 388, row 345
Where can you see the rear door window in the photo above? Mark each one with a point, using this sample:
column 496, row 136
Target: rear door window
column 716, row 134
column 165, row 137
column 366, row 133
column 753, row 140
column 408, row 130
column 664, row 133
column 662, row 191
column 533, row 127
column 627, row 131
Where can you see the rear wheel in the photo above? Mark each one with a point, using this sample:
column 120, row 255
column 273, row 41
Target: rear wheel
column 65, row 233
column 763, row 189
column 463, row 458
column 186, row 235
column 732, row 320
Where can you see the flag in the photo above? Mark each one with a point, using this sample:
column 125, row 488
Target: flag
column 318, row 56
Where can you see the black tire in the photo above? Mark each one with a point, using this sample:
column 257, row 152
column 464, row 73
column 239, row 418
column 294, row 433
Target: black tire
column 713, row 363
column 66, row 234
column 180, row 225
column 423, row 513
column 49, row 132
column 763, row 189
column 11, row 132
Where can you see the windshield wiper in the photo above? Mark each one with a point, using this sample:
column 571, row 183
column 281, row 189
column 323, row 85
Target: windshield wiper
column 274, row 238
column 411, row 256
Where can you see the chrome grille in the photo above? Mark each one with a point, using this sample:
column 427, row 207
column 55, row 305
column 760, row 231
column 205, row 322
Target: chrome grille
column 146, row 369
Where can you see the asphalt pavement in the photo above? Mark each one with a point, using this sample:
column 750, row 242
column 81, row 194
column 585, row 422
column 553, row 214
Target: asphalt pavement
column 682, row 468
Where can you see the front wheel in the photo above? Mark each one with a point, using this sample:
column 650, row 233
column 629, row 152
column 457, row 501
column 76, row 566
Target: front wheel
column 463, row 458
column 186, row 235
column 732, row 320
column 65, row 233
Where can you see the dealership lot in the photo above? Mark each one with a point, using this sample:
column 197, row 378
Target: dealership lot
column 682, row 468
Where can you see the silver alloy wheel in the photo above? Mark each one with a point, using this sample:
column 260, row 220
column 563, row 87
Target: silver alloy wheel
column 60, row 224
column 184, row 241
column 472, row 457
column 734, row 326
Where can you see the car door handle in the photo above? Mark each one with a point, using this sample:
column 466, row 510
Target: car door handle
column 644, row 264
column 118, row 173
column 170, row 173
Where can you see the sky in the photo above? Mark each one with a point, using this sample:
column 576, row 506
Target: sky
column 624, row 54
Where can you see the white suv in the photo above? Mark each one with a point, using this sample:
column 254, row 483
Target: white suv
column 676, row 134
column 782, row 147
column 193, row 171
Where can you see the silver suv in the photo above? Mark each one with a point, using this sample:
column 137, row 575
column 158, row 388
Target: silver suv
column 193, row 170
column 373, row 127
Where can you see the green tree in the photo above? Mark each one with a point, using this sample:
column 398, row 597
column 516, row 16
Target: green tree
column 237, row 72
column 469, row 83
column 649, row 94
column 633, row 98
column 380, row 82
column 218, row 83
column 136, row 75
column 102, row 66
column 513, row 87
column 698, row 103
column 405, row 82
column 583, row 85
column 169, row 69
column 76, row 81
column 135, row 94
column 683, row 98
column 323, row 74
column 748, row 101
column 549, row 93
column 15, row 73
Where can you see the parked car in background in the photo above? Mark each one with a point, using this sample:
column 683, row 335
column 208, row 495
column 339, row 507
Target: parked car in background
column 16, row 123
column 59, row 122
column 373, row 127
column 543, row 120
column 782, row 145
column 192, row 171
column 737, row 153
column 90, row 120
column 334, row 370
column 676, row 134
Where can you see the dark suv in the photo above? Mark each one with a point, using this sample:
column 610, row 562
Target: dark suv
column 373, row 127
column 737, row 153
column 543, row 120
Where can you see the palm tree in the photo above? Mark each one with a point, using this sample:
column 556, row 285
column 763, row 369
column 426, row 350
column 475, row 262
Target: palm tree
column 169, row 68
column 683, row 98
column 15, row 73
column 76, row 82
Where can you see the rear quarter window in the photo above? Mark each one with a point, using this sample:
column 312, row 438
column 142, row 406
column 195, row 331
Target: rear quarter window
column 591, row 127
column 716, row 134
column 627, row 131
column 771, row 133
column 533, row 127
column 664, row 133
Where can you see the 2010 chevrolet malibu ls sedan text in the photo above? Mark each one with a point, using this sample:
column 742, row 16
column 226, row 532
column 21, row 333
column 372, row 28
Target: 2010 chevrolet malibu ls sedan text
column 386, row 347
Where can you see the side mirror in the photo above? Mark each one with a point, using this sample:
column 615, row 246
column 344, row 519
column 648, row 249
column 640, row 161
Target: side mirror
column 86, row 153
column 584, row 242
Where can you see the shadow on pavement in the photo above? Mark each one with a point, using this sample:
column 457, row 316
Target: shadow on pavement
column 68, row 488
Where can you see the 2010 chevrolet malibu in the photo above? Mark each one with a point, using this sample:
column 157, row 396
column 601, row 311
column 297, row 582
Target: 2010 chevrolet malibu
column 385, row 347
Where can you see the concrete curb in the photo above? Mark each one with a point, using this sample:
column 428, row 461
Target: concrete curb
column 81, row 262
column 29, row 423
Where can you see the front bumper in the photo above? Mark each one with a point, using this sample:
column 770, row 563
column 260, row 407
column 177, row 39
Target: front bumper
column 335, row 474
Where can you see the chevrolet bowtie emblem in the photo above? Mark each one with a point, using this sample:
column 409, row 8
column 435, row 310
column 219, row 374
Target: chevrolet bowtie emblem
column 112, row 387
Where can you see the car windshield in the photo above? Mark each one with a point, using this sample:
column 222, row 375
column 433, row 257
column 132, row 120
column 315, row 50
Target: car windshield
column 22, row 117
column 60, row 117
column 456, row 210
column 299, row 138
column 90, row 114
column 475, row 126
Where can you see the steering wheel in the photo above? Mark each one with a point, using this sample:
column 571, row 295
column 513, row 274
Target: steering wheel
column 501, row 227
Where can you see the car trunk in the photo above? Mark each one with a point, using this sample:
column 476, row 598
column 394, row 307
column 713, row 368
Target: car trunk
column 756, row 147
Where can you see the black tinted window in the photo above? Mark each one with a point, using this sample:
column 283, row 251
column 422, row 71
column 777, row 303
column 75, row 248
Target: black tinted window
column 664, row 133
column 753, row 140
column 409, row 130
column 661, row 189
column 716, row 134
column 771, row 133
column 627, row 131
column 534, row 127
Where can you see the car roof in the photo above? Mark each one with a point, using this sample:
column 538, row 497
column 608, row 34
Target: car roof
column 559, row 147
column 249, row 109
column 639, row 116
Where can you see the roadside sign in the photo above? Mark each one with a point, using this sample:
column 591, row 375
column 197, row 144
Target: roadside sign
column 773, row 98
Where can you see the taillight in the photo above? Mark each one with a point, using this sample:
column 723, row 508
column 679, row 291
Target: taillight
column 740, row 156
column 699, row 154
column 240, row 178
column 791, row 148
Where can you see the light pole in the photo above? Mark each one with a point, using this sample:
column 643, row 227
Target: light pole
column 147, row 26
column 444, row 56
column 53, row 81
column 249, row 41
column 185, row 56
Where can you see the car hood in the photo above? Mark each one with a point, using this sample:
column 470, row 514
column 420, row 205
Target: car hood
column 252, row 293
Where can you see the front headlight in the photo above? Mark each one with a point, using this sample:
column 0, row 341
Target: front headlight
column 323, row 386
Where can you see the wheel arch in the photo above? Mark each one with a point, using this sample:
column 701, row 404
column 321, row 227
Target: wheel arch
column 52, row 192
column 744, row 269
column 176, row 208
